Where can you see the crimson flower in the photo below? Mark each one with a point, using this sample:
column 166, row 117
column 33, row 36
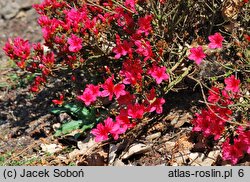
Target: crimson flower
column 197, row 54
column 136, row 111
column 209, row 123
column 247, row 37
column 232, row 152
column 215, row 41
column 122, row 49
column 75, row 43
column 60, row 101
column 144, row 25
column 126, row 99
column 214, row 95
column 232, row 84
column 159, row 74
column 132, row 71
column 48, row 59
column 19, row 48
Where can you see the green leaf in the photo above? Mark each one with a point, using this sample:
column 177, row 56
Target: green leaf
column 58, row 110
column 72, row 107
column 85, row 111
column 88, row 126
column 68, row 127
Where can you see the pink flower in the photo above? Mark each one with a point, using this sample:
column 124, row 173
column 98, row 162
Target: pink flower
column 232, row 152
column 214, row 95
column 215, row 41
column 124, row 121
column 112, row 127
column 122, row 49
column 94, row 89
column 157, row 105
column 76, row 15
column 144, row 25
column 232, row 84
column 87, row 97
column 75, row 43
column 19, row 48
column 159, row 74
column 196, row 54
column 209, row 123
column 109, row 89
column 126, row 99
column 119, row 90
column 136, row 111
column 102, row 131
column 132, row 71
column 130, row 4
column 144, row 49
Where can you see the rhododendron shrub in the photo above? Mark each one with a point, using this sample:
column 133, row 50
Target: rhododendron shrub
column 125, row 56
column 118, row 36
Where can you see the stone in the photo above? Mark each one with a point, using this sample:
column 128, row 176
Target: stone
column 27, row 4
column 10, row 10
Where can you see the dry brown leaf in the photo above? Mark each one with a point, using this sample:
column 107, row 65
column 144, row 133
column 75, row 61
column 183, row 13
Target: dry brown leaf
column 153, row 136
column 112, row 153
column 182, row 120
column 136, row 149
column 199, row 159
column 51, row 148
column 83, row 146
column 95, row 159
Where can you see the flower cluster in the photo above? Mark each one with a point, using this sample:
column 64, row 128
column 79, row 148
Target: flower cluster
column 214, row 120
column 235, row 149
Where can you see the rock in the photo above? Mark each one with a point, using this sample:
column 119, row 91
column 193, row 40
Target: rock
column 26, row 4
column 10, row 10
column 3, row 4
column 185, row 118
